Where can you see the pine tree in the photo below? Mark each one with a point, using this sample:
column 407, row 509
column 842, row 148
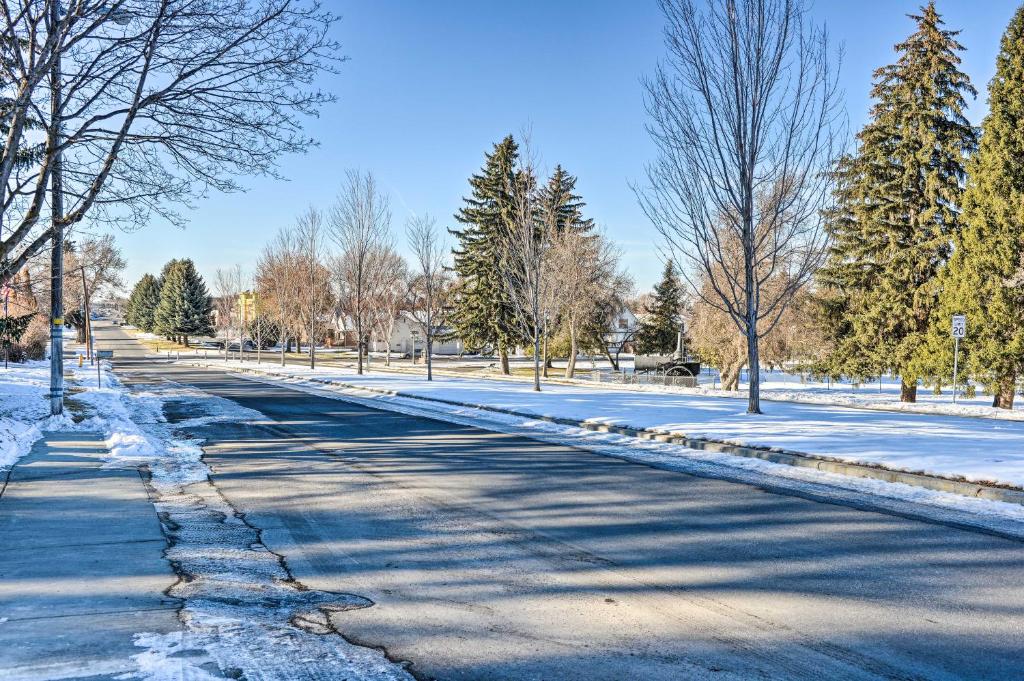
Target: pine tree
column 985, row 275
column 483, row 314
column 658, row 332
column 143, row 302
column 185, row 308
column 898, row 203
column 561, row 206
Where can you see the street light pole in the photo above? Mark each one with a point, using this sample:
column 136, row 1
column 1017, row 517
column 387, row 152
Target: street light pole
column 56, row 228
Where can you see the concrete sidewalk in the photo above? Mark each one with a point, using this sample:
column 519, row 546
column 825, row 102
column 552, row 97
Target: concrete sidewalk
column 81, row 564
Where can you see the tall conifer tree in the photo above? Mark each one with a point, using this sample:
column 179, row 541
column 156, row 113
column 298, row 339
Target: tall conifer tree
column 143, row 302
column 985, row 275
column 898, row 206
column 659, row 330
column 185, row 308
column 483, row 315
column 561, row 205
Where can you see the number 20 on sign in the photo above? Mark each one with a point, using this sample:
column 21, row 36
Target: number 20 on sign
column 959, row 331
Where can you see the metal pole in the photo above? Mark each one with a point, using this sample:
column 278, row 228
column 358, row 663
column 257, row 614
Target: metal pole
column 956, row 358
column 7, row 340
column 57, row 229
column 88, row 319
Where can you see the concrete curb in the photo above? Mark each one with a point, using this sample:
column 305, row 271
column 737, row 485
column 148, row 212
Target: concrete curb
column 780, row 456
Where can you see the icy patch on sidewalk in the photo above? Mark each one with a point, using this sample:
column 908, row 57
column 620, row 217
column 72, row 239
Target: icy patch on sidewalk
column 244, row 614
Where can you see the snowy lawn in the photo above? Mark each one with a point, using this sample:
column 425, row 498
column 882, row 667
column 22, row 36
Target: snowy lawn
column 789, row 387
column 25, row 409
column 976, row 449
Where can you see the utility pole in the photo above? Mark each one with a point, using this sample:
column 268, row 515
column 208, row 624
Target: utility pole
column 56, row 227
column 89, row 354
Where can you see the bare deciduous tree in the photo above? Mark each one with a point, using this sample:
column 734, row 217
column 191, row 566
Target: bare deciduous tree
column 360, row 221
column 228, row 284
column 430, row 283
column 388, row 293
column 146, row 103
column 522, row 255
column 744, row 112
column 278, row 285
column 314, row 278
column 92, row 266
column 584, row 269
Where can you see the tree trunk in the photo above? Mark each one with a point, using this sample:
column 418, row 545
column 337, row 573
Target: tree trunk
column 359, row 347
column 612, row 359
column 285, row 344
column 570, row 366
column 754, row 368
column 430, row 362
column 1003, row 398
column 908, row 391
column 730, row 375
column 185, row 339
column 536, row 360
column 503, row 356
column 547, row 358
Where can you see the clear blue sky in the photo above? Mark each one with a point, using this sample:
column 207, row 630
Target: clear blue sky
column 431, row 85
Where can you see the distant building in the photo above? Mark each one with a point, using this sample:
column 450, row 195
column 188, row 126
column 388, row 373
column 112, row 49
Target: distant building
column 247, row 307
column 623, row 330
column 407, row 337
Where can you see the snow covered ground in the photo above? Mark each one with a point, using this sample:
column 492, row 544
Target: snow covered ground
column 781, row 386
column 975, row 449
column 24, row 408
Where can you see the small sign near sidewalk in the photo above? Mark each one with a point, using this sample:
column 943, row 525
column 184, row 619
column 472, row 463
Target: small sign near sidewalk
column 959, row 331
column 959, row 326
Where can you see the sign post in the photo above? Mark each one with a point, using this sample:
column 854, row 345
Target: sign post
column 959, row 331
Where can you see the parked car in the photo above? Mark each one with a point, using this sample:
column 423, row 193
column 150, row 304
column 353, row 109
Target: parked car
column 212, row 345
column 247, row 346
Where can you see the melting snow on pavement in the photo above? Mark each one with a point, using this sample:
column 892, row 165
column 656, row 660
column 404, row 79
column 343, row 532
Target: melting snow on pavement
column 245, row 616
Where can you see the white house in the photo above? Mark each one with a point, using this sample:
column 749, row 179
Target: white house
column 623, row 330
column 407, row 335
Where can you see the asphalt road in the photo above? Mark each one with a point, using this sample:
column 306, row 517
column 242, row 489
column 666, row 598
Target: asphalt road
column 491, row 556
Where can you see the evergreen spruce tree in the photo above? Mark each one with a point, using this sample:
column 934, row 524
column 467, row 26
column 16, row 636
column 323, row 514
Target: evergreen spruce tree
column 185, row 308
column 985, row 275
column 658, row 332
column 561, row 206
column 483, row 314
column 143, row 302
column 898, row 204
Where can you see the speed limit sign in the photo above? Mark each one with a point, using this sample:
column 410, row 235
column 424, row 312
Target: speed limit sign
column 959, row 326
